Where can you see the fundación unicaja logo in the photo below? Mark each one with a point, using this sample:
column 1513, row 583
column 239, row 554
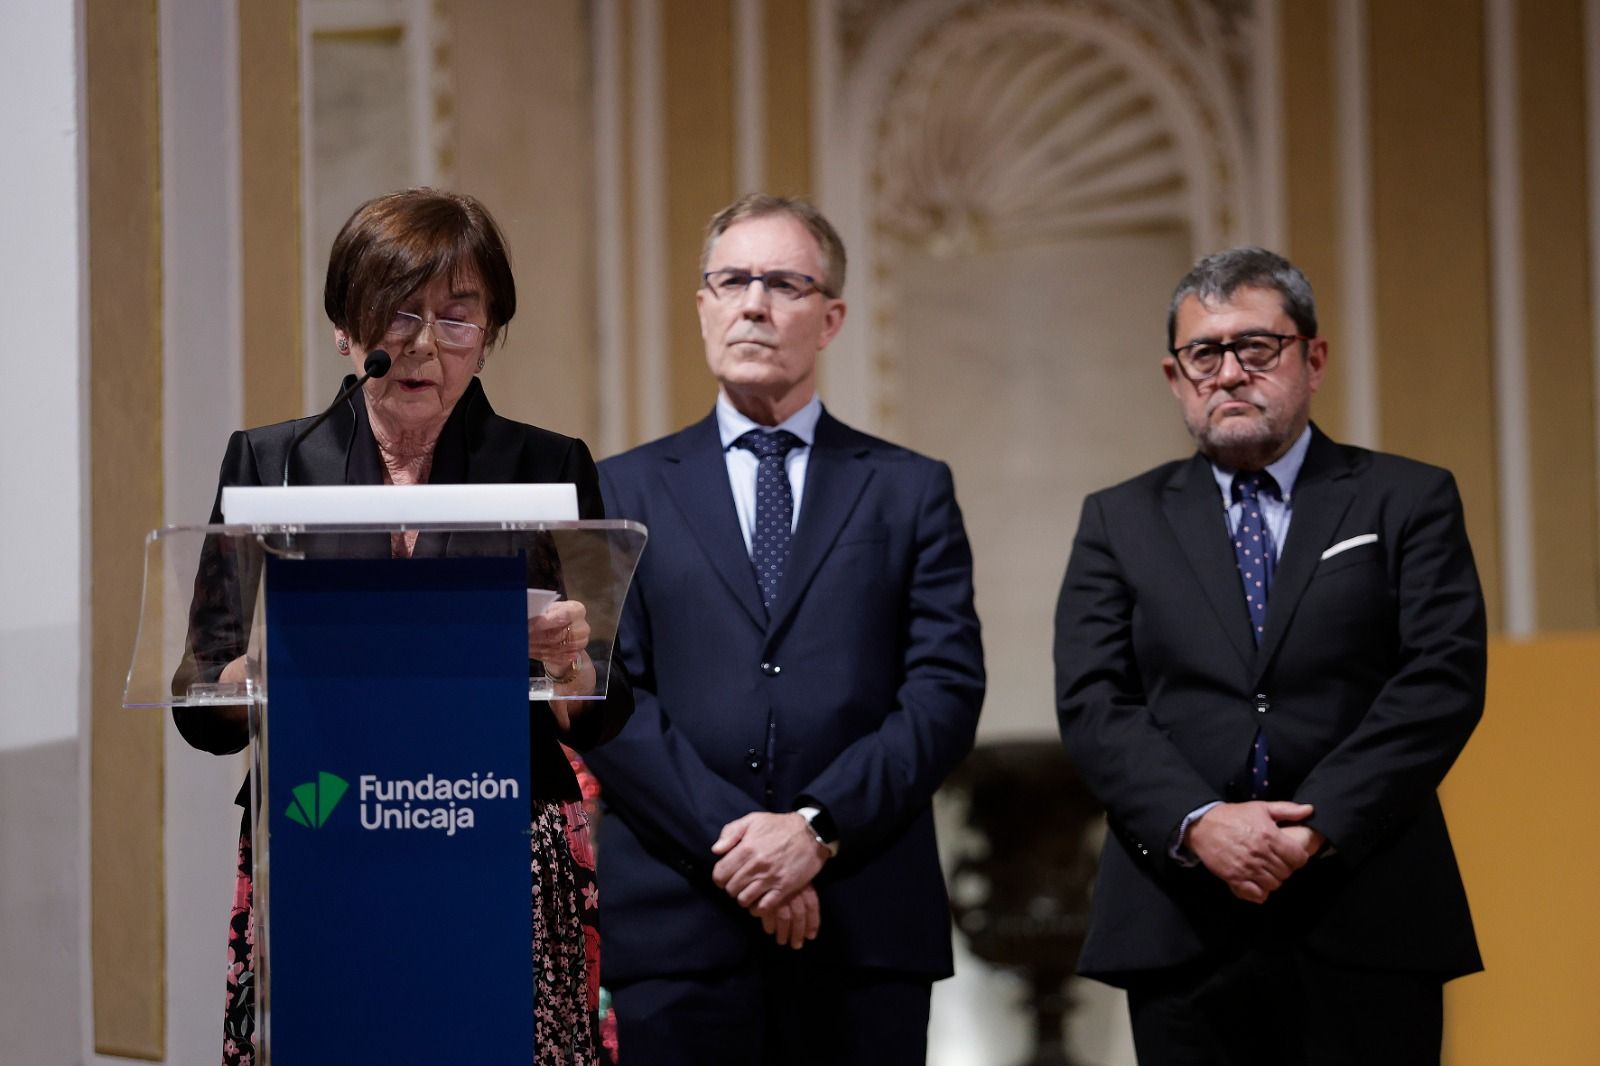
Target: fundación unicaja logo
column 431, row 801
column 315, row 800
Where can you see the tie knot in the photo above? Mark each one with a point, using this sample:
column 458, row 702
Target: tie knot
column 769, row 445
column 1248, row 487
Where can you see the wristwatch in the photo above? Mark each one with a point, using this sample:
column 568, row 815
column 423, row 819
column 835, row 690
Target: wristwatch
column 821, row 827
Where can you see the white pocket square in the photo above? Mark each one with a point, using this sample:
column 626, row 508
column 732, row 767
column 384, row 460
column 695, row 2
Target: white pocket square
column 1353, row 542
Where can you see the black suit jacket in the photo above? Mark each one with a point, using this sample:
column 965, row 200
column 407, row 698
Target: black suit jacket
column 861, row 693
column 476, row 446
column 1368, row 681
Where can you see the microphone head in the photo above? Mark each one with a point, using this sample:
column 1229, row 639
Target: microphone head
column 377, row 363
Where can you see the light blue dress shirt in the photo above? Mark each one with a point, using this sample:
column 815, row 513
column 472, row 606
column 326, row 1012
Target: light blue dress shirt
column 1275, row 510
column 742, row 464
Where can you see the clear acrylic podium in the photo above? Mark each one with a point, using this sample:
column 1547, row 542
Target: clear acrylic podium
column 390, row 784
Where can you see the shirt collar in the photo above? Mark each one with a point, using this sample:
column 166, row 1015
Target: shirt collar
column 1285, row 471
column 731, row 425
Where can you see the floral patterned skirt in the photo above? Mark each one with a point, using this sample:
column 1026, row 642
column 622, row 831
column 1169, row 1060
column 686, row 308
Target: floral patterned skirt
column 567, row 1024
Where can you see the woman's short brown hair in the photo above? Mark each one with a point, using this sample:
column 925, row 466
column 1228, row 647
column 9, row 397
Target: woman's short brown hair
column 394, row 244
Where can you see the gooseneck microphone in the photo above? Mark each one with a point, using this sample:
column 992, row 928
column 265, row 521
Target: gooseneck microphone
column 376, row 365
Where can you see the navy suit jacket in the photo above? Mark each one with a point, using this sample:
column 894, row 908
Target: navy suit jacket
column 1367, row 682
column 860, row 693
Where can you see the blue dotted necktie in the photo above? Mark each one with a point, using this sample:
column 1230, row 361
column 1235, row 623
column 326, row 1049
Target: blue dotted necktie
column 769, row 544
column 1252, row 549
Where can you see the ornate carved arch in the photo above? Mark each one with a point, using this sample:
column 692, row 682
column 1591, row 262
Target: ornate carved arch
column 972, row 125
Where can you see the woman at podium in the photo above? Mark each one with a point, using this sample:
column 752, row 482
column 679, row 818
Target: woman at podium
column 423, row 275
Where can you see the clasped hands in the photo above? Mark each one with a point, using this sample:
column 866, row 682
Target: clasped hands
column 767, row 864
column 1254, row 847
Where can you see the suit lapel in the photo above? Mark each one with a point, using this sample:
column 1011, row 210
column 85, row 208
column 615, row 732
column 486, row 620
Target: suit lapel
column 1193, row 507
column 461, row 458
column 337, row 453
column 1322, row 494
column 696, row 476
column 324, row 456
column 835, row 479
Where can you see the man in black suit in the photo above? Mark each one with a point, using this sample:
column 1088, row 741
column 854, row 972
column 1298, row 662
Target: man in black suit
column 1267, row 657
column 807, row 671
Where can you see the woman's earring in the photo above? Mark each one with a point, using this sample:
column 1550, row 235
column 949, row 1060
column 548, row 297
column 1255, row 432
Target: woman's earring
column 481, row 360
column 344, row 346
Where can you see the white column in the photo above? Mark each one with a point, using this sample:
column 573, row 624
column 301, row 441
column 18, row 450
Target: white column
column 611, row 298
column 651, row 271
column 1509, row 319
column 842, row 127
column 1359, row 351
column 749, row 91
column 202, row 402
column 1272, row 221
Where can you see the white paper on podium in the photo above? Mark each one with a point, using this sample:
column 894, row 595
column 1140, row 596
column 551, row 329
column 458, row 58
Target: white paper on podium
column 303, row 505
column 539, row 600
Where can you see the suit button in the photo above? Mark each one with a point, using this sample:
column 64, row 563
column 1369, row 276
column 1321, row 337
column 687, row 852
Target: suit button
column 771, row 669
column 755, row 759
column 1261, row 703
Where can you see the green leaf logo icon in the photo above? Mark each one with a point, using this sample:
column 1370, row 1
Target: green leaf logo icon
column 315, row 800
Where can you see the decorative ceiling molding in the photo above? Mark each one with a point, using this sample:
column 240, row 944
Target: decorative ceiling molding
column 1033, row 120
column 1222, row 28
column 996, row 136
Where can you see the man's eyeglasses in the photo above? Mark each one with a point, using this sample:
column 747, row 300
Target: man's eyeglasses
column 1257, row 353
column 448, row 332
column 781, row 284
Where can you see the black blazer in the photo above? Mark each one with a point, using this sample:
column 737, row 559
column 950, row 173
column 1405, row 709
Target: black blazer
column 861, row 693
column 476, row 446
column 1368, row 681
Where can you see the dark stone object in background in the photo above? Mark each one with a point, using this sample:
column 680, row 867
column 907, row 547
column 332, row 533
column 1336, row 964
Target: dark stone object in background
column 1021, row 883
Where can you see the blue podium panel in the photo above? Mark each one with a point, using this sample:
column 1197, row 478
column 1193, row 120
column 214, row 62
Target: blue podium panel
column 397, row 787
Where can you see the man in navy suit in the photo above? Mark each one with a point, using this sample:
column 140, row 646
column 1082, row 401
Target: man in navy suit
column 807, row 671
column 1267, row 657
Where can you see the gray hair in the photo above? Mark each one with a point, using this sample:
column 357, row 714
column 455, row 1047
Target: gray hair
column 1220, row 274
column 760, row 205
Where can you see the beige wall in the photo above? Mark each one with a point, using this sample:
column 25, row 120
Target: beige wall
column 1556, row 276
column 1431, row 254
column 271, row 206
column 524, row 146
column 1531, row 889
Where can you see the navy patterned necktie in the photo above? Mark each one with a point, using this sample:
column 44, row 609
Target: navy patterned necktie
column 1252, row 550
column 769, row 544
column 1252, row 547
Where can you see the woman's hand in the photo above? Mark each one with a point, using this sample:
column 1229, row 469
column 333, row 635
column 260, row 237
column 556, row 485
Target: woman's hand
column 557, row 636
column 236, row 672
